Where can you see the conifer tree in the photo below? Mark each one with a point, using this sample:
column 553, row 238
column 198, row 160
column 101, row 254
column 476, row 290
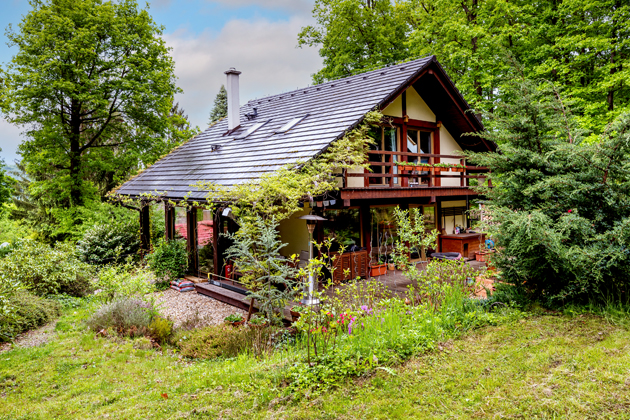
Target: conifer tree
column 220, row 106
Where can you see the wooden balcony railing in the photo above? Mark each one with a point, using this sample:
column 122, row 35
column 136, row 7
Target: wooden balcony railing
column 386, row 173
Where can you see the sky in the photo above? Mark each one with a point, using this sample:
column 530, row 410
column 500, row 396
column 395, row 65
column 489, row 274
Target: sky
column 257, row 37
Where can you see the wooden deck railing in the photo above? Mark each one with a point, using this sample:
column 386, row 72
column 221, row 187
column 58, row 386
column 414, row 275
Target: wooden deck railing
column 417, row 177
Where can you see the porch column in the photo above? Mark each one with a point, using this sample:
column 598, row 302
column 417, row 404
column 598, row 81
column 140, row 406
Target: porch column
column 145, row 227
column 437, row 181
column 216, row 231
column 191, row 240
column 364, row 222
column 169, row 221
column 404, row 181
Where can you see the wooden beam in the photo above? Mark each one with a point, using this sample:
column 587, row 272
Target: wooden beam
column 191, row 240
column 366, row 229
column 216, row 226
column 145, row 227
column 436, row 150
column 372, row 193
column 411, row 123
column 169, row 221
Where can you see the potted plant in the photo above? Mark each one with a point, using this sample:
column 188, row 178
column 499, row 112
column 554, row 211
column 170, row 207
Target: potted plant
column 458, row 167
column 297, row 311
column 438, row 167
column 391, row 266
column 235, row 320
column 257, row 322
column 406, row 166
column 379, row 268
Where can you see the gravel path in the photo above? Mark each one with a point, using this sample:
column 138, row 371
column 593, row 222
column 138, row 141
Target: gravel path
column 192, row 309
column 32, row 338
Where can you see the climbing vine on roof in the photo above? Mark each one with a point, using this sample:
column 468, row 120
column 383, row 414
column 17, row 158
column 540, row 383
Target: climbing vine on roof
column 278, row 194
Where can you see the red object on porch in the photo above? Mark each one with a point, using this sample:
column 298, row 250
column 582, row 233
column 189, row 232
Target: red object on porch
column 204, row 232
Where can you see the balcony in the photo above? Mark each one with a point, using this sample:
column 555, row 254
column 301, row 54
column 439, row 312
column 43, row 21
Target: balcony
column 407, row 174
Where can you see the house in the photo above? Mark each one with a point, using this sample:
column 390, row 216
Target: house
column 429, row 120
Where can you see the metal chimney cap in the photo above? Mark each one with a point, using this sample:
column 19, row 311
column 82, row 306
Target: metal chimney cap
column 232, row 70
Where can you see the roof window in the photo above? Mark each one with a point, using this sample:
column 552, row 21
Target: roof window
column 291, row 124
column 251, row 129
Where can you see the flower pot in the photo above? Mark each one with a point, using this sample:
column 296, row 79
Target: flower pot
column 295, row 315
column 378, row 270
column 407, row 167
column 391, row 266
column 457, row 169
column 236, row 323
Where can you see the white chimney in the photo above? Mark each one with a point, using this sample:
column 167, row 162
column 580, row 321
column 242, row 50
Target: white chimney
column 234, row 107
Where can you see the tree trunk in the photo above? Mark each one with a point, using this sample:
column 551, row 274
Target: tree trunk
column 76, row 198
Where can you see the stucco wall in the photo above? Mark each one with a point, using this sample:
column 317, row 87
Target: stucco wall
column 448, row 146
column 293, row 232
column 417, row 109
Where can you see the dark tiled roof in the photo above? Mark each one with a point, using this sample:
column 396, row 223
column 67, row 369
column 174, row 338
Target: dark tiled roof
column 332, row 108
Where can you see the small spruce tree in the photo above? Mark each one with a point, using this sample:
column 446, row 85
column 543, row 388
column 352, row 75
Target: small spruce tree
column 220, row 106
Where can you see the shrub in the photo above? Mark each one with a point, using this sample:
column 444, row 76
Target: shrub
column 26, row 311
column 169, row 259
column 559, row 213
column 123, row 281
column 126, row 317
column 213, row 341
column 46, row 270
column 161, row 329
column 112, row 242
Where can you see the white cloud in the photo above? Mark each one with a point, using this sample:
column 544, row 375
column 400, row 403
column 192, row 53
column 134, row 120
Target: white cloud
column 10, row 138
column 298, row 6
column 265, row 52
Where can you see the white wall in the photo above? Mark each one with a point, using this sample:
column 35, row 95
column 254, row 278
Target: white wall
column 417, row 109
column 448, row 146
column 294, row 233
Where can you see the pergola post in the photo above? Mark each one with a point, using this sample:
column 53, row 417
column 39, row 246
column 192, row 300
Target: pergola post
column 169, row 221
column 191, row 240
column 216, row 226
column 145, row 227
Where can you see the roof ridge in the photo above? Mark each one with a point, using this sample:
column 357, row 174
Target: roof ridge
column 354, row 74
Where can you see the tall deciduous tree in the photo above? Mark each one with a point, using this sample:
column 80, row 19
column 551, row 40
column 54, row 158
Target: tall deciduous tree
column 219, row 110
column 92, row 82
column 354, row 35
column 5, row 186
column 582, row 46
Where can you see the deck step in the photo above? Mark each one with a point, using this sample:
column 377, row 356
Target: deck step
column 223, row 295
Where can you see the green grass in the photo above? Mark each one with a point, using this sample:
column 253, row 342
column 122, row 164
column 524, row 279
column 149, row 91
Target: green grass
column 540, row 367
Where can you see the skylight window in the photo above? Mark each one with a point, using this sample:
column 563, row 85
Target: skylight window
column 251, row 129
column 291, row 124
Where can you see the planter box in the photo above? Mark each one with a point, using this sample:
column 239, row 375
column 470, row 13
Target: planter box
column 457, row 169
column 378, row 270
column 482, row 256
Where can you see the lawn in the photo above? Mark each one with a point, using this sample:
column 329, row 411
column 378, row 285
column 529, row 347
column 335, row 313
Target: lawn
column 546, row 366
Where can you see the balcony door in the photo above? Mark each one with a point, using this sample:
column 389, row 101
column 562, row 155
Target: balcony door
column 386, row 139
column 419, row 142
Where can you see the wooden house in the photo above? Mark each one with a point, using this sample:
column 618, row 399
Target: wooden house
column 429, row 121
